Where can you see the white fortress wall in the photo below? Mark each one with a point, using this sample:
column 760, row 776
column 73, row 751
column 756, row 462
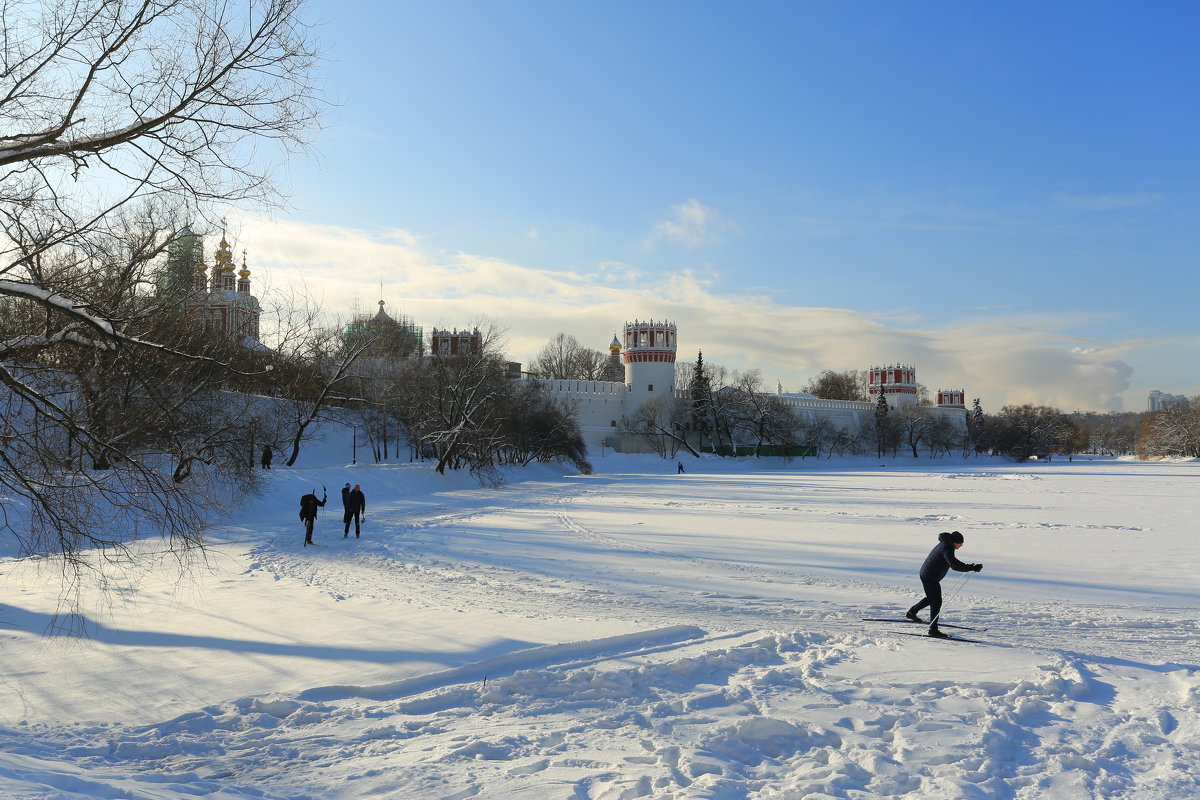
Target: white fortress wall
column 599, row 404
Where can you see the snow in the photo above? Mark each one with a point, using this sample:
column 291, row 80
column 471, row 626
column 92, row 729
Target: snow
column 634, row 633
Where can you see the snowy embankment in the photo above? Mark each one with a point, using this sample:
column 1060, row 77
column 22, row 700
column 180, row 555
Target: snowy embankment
column 637, row 633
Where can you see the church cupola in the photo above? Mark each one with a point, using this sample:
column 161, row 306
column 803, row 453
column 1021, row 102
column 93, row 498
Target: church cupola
column 243, row 284
column 222, row 271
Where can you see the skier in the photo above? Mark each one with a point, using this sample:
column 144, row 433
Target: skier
column 267, row 456
column 679, row 464
column 308, row 512
column 941, row 559
column 355, row 503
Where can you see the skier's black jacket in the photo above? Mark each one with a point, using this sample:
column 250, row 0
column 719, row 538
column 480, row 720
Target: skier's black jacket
column 308, row 506
column 940, row 559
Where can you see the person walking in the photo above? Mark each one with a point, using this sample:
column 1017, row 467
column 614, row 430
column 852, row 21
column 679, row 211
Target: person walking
column 355, row 503
column 308, row 512
column 941, row 559
column 267, row 456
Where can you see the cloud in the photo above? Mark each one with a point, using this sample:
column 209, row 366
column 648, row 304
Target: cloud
column 691, row 225
column 1001, row 359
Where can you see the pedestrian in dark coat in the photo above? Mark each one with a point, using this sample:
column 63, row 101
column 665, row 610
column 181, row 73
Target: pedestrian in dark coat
column 308, row 512
column 267, row 456
column 355, row 503
column 941, row 559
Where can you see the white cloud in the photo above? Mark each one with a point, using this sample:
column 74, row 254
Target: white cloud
column 1001, row 360
column 692, row 224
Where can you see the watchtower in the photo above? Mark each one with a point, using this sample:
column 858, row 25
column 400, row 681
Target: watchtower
column 898, row 382
column 649, row 357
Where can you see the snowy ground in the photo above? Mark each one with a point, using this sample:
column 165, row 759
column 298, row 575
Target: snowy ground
column 637, row 633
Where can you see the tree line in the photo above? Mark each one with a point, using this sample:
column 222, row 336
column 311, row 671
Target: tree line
column 731, row 411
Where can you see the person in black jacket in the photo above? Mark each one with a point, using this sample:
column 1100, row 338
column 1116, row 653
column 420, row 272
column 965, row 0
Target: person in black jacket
column 308, row 512
column 941, row 559
column 355, row 503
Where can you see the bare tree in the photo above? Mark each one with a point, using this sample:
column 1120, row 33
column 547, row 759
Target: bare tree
column 1112, row 433
column 120, row 122
column 1029, row 430
column 818, row 433
column 457, row 406
column 661, row 422
column 540, row 428
column 830, row 385
column 913, row 424
column 565, row 358
column 1171, row 432
column 764, row 419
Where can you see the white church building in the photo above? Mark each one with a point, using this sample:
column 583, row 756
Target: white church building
column 648, row 353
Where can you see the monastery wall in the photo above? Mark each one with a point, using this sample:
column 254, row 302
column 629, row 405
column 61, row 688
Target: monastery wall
column 602, row 406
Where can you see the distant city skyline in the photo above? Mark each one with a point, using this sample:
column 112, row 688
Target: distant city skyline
column 1004, row 196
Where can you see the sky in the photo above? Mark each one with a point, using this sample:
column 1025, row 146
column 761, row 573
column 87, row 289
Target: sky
column 1004, row 195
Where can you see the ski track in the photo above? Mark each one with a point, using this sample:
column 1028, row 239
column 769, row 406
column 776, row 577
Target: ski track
column 735, row 704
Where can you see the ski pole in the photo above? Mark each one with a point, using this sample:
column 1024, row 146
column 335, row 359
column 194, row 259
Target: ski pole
column 953, row 593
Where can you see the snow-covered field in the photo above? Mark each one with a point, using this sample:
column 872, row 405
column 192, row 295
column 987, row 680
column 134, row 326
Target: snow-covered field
column 637, row 633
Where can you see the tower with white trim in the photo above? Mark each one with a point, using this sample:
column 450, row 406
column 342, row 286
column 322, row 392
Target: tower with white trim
column 952, row 398
column 898, row 382
column 649, row 358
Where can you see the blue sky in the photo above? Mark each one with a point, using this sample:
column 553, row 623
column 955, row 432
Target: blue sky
column 1005, row 195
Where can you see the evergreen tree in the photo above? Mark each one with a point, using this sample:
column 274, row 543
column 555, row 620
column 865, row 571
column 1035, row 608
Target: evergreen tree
column 881, row 422
column 976, row 425
column 700, row 390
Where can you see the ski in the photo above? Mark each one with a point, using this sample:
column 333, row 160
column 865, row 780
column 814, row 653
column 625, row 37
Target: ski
column 943, row 638
column 910, row 622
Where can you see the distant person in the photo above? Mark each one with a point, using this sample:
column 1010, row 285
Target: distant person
column 680, row 465
column 308, row 512
column 267, row 456
column 355, row 503
column 941, row 559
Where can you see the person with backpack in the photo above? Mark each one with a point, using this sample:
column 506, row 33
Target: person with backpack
column 308, row 512
column 939, row 561
column 355, row 503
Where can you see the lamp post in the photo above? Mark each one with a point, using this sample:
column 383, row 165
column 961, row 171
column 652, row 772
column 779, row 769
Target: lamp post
column 354, row 444
column 253, row 426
